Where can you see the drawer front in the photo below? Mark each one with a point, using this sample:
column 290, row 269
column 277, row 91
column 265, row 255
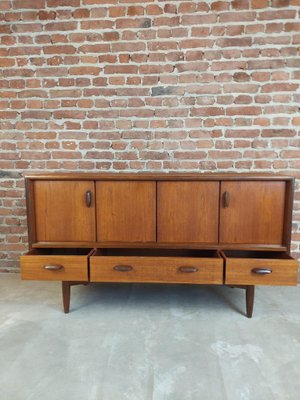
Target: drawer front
column 240, row 271
column 156, row 269
column 54, row 268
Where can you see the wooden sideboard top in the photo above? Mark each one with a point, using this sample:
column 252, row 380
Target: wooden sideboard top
column 154, row 176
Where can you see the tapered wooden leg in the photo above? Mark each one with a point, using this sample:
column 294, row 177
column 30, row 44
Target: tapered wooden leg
column 249, row 300
column 250, row 289
column 66, row 294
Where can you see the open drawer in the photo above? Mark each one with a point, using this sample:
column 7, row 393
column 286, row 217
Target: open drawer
column 259, row 268
column 55, row 264
column 156, row 266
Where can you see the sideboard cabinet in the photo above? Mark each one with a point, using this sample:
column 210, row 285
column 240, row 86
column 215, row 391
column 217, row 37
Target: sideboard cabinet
column 231, row 229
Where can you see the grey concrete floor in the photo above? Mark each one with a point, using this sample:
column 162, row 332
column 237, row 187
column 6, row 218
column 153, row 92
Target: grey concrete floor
column 147, row 342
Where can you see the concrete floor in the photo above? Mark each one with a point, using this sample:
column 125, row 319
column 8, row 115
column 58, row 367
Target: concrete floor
column 147, row 342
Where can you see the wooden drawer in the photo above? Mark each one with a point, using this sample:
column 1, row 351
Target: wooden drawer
column 156, row 266
column 55, row 265
column 259, row 268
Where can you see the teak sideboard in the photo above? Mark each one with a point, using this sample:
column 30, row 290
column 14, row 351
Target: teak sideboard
column 232, row 229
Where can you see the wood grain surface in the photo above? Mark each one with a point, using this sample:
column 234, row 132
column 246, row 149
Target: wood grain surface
column 187, row 212
column 239, row 271
column 156, row 269
column 61, row 212
column 74, row 268
column 255, row 213
column 126, row 211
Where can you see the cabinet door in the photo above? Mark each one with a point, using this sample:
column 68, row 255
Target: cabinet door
column 188, row 212
column 63, row 212
column 126, row 211
column 252, row 212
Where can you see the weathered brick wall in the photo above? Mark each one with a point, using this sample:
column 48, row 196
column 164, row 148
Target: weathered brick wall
column 145, row 85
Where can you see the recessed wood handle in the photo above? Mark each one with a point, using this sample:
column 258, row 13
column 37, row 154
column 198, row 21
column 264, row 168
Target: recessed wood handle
column 53, row 267
column 187, row 270
column 261, row 271
column 226, row 199
column 88, row 198
column 123, row 268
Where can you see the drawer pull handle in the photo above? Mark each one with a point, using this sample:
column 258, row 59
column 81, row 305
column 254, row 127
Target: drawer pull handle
column 261, row 271
column 53, row 267
column 123, row 268
column 187, row 270
column 226, row 199
column 88, row 198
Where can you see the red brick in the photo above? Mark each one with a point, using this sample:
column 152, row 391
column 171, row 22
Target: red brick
column 25, row 28
column 153, row 9
column 63, row 3
column 237, row 16
column 96, row 24
column 280, row 3
column 7, row 62
column 44, row 115
column 221, row 154
column 135, row 10
column 235, row 30
column 259, row 3
column 228, row 65
column 81, row 13
column 94, row 48
column 260, row 154
column 243, row 110
column 104, row 155
column 11, row 16
column 69, row 114
column 66, row 49
column 278, row 133
column 119, row 69
column 5, row 5
column 190, row 155
column 243, row 99
column 240, row 42
column 292, row 26
column 61, row 26
column 266, row 64
column 290, row 154
column 288, row 51
column 84, row 70
column 200, row 31
column 45, row 15
column 45, row 72
column 7, row 94
column 280, row 87
column 117, row 12
column 32, row 93
column 283, row 14
column 240, row 4
column 220, row 5
column 207, row 111
column 199, row 19
column 192, row 43
column 111, row 36
column 33, row 4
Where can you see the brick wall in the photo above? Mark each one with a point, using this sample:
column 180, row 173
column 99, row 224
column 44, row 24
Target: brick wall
column 145, row 85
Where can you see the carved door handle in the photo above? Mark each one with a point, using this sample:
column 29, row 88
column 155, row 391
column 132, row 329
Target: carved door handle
column 88, row 198
column 53, row 267
column 226, row 199
column 187, row 270
column 123, row 268
column 261, row 271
